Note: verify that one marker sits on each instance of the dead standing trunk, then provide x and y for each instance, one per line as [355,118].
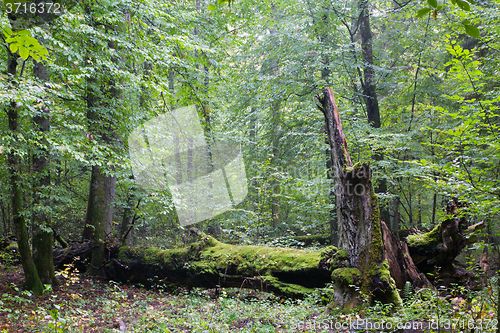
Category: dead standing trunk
[358,222]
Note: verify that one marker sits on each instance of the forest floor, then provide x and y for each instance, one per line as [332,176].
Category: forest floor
[84,304]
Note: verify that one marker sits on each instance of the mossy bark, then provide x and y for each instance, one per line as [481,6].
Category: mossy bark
[42,256]
[96,219]
[358,219]
[32,281]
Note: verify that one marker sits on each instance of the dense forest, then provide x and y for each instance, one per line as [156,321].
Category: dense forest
[266,166]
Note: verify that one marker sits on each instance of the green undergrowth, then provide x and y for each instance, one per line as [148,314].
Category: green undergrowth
[88,305]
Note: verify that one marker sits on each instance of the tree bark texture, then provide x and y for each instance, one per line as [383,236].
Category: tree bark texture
[128,214]
[99,220]
[97,207]
[400,262]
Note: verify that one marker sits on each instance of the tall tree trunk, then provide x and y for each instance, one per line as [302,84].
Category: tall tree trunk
[325,75]
[394,216]
[99,219]
[96,217]
[101,198]
[4,220]
[369,91]
[275,183]
[42,235]
[32,280]
[369,88]
[171,87]
[109,192]
[126,229]
[272,70]
[410,206]
[102,189]
[358,221]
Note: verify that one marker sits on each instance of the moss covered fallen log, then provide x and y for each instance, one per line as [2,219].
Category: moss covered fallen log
[434,252]
[440,246]
[210,263]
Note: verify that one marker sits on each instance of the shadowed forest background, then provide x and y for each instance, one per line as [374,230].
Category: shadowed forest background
[418,93]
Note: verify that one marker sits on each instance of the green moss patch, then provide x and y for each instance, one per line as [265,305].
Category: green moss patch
[340,259]
[346,276]
[425,240]
[253,260]
[285,289]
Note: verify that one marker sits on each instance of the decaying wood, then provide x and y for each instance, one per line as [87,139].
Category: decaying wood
[371,262]
[209,263]
[400,262]
[341,162]
[434,252]
[440,246]
[359,230]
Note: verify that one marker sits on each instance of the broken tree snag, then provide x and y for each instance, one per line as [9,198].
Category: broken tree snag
[358,222]
[435,251]
[336,139]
